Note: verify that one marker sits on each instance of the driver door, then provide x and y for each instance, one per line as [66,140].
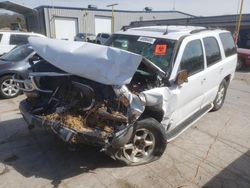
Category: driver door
[190,94]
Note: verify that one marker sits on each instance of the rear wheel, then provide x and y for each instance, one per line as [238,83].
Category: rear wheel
[8,88]
[240,64]
[147,144]
[221,95]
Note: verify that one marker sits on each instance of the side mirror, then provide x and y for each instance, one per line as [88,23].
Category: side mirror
[182,77]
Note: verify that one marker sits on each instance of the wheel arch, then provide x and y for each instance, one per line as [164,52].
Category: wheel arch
[10,73]
[228,78]
[153,112]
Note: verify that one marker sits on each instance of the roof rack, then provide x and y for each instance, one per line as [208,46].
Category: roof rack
[205,28]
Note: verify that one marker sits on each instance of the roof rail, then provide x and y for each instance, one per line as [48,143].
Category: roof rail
[205,29]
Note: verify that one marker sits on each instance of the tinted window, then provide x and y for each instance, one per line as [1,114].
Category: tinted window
[212,50]
[1,35]
[80,35]
[18,39]
[192,58]
[105,36]
[228,44]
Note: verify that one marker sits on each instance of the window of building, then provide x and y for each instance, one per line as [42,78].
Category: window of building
[16,39]
[228,44]
[212,50]
[192,58]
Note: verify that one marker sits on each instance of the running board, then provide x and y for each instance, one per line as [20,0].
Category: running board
[179,129]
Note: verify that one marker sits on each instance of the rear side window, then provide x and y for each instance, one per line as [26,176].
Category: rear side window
[228,44]
[1,35]
[105,36]
[212,50]
[18,39]
[192,58]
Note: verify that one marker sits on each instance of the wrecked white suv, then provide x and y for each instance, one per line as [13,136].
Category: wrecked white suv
[132,96]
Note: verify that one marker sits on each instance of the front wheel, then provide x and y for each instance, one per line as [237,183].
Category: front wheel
[221,95]
[8,88]
[147,143]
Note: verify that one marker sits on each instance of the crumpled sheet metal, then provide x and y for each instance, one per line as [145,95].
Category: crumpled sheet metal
[136,104]
[103,64]
[164,98]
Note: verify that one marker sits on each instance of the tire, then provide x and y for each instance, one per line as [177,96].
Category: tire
[221,95]
[148,136]
[240,64]
[8,88]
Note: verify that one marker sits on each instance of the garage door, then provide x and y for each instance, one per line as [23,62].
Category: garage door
[102,25]
[66,28]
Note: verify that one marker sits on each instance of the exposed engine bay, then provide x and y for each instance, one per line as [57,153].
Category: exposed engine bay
[85,106]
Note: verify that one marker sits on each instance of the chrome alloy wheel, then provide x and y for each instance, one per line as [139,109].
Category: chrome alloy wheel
[9,88]
[220,95]
[141,147]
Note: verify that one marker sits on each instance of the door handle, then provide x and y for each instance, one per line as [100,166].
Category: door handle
[203,80]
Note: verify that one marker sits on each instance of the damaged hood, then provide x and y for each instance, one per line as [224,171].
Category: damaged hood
[103,64]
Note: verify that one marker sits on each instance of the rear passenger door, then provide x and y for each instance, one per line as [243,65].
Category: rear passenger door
[189,94]
[221,58]
[214,68]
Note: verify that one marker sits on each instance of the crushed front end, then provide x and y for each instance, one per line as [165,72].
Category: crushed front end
[103,110]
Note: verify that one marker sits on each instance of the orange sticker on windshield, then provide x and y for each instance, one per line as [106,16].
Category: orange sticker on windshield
[161,49]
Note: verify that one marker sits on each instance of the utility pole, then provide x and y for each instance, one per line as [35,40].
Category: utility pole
[239,21]
[173,4]
[85,25]
[113,16]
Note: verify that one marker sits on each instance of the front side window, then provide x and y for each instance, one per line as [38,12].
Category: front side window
[192,58]
[212,50]
[158,50]
[17,54]
[16,39]
[228,44]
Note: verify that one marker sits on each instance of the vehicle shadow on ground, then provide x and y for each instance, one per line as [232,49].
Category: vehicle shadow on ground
[41,154]
[237,174]
[244,70]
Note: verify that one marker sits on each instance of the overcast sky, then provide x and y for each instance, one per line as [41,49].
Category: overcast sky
[195,7]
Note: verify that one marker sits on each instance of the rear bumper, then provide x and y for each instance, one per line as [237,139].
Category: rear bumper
[67,135]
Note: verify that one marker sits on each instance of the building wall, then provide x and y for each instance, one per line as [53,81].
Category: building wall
[122,18]
[36,23]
